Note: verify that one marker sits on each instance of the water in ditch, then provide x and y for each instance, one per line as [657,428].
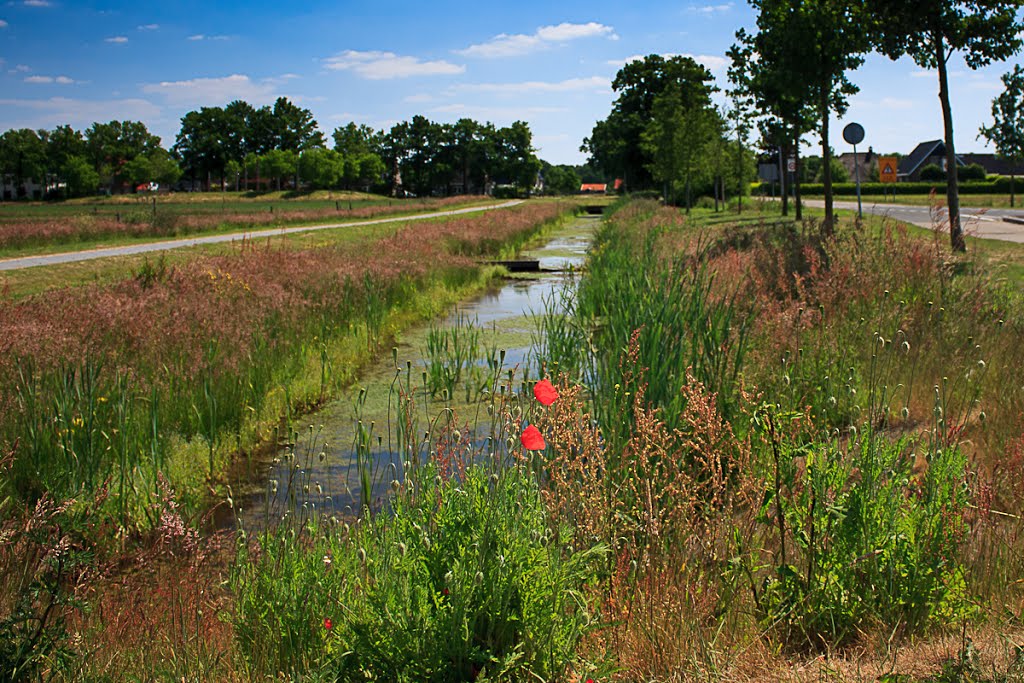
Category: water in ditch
[353,448]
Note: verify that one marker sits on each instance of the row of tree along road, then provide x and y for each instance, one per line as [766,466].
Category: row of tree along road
[788,77]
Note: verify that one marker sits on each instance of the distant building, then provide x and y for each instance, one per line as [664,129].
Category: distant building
[593,188]
[994,164]
[859,162]
[926,153]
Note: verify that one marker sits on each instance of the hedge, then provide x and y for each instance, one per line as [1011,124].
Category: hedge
[1001,185]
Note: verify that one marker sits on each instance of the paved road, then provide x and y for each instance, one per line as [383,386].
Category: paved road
[988,223]
[90,254]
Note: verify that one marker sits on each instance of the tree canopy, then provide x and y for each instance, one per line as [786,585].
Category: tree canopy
[615,144]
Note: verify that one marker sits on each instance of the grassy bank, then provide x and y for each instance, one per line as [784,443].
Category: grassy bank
[765,455]
[178,367]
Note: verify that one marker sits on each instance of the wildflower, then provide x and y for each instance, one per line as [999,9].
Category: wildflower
[544,392]
[532,439]
[328,624]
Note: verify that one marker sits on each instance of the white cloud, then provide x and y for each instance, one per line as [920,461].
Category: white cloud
[711,9]
[565,31]
[60,80]
[505,45]
[149,27]
[712,62]
[593,83]
[20,69]
[202,36]
[3,24]
[923,73]
[500,113]
[116,39]
[56,111]
[37,3]
[376,65]
[199,92]
[419,98]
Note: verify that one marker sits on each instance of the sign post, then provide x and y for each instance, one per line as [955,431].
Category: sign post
[854,134]
[887,172]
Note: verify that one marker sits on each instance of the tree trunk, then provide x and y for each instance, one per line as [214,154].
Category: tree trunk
[783,151]
[796,180]
[956,231]
[1011,190]
[827,225]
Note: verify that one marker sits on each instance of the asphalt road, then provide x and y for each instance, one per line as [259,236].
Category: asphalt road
[165,245]
[987,223]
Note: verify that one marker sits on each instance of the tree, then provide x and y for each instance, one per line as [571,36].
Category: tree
[796,65]
[322,168]
[1007,130]
[112,145]
[838,172]
[615,144]
[678,138]
[296,128]
[22,157]
[560,179]
[930,32]
[278,163]
[516,161]
[203,143]
[81,178]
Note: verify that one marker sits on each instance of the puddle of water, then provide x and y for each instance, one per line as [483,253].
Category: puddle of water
[322,467]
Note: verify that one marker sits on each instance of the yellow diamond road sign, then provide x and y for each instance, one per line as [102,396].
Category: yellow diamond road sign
[887,169]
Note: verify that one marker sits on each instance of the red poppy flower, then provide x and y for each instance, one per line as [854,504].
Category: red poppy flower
[444,591]
[328,624]
[544,392]
[532,439]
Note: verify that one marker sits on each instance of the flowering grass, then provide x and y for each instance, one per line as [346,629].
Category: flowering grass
[173,370]
[21,230]
[821,471]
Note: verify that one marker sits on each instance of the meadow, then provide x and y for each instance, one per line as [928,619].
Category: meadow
[755,454]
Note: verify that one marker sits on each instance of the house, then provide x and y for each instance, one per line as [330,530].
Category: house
[926,153]
[994,164]
[593,188]
[862,162]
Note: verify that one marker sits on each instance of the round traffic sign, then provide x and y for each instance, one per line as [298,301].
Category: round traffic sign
[854,133]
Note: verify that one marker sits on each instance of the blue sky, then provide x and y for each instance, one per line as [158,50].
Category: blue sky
[547,63]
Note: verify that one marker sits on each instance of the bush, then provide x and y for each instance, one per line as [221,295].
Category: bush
[464,578]
[972,172]
[932,172]
[871,538]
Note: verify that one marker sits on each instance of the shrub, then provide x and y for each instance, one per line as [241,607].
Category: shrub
[932,172]
[972,172]
[463,578]
[872,533]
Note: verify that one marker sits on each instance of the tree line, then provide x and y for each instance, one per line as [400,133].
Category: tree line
[240,146]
